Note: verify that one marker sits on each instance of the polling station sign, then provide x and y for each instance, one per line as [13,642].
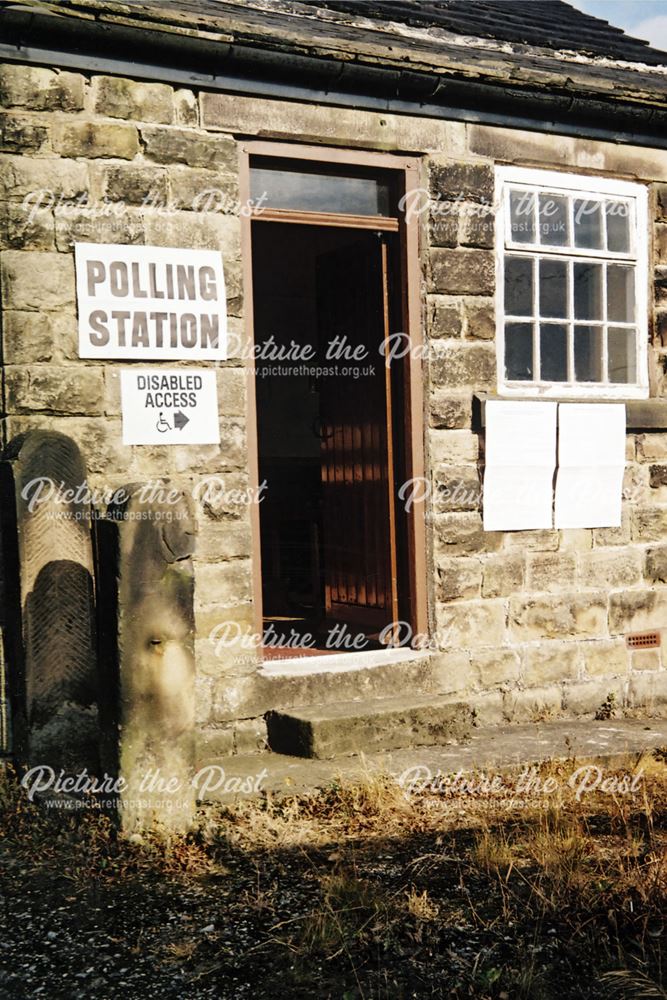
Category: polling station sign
[150,303]
[169,406]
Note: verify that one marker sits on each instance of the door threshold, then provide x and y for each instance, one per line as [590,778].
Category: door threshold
[301,666]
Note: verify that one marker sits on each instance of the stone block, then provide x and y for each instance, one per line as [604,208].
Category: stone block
[637,610]
[444,317]
[661,199]
[649,524]
[220,584]
[478,226]
[453,181]
[480,319]
[444,226]
[347,127]
[550,662]
[614,536]
[196,190]
[41,182]
[250,736]
[95,140]
[36,281]
[21,135]
[646,659]
[649,691]
[212,742]
[558,617]
[186,108]
[503,575]
[54,389]
[22,228]
[533,705]
[550,572]
[222,540]
[660,244]
[206,231]
[533,541]
[576,539]
[450,411]
[462,533]
[453,673]
[117,97]
[652,447]
[605,658]
[450,447]
[458,365]
[134,185]
[462,272]
[458,578]
[456,488]
[497,666]
[33,336]
[488,709]
[471,624]
[655,564]
[615,569]
[586,697]
[175,145]
[92,225]
[39,89]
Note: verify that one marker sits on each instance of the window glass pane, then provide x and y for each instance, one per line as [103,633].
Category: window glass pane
[588,353]
[622,354]
[522,217]
[518,286]
[553,352]
[618,226]
[620,293]
[274,187]
[553,288]
[587,291]
[588,223]
[553,210]
[519,351]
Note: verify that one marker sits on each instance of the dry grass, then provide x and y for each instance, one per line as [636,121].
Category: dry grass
[360,890]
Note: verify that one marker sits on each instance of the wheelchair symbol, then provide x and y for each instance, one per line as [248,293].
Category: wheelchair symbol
[162,424]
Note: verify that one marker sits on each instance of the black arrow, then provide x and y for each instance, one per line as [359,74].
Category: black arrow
[180,420]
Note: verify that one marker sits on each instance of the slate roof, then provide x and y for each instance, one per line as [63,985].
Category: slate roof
[550,24]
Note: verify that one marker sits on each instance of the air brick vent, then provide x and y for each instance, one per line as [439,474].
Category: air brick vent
[643,640]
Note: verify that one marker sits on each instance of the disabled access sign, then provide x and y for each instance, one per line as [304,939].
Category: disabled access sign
[169,406]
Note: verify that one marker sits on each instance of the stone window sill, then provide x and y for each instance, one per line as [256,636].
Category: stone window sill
[642,414]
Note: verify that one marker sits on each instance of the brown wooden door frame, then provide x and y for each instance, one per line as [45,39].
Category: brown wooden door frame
[408,233]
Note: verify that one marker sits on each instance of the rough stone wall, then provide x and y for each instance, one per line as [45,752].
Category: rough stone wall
[539,617]
[535,618]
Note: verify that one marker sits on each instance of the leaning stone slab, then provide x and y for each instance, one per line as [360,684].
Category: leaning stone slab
[154,647]
[49,601]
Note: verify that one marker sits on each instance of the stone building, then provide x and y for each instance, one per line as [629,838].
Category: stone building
[420,209]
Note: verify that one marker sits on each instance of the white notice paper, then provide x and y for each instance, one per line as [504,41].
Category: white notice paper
[591,462]
[520,462]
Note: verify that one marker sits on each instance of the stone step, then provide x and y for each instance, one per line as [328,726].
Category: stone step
[322,731]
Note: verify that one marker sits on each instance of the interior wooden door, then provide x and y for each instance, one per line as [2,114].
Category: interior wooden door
[358,509]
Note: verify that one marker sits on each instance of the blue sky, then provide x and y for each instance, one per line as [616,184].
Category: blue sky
[641,18]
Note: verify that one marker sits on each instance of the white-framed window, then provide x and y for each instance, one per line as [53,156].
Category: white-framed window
[572,285]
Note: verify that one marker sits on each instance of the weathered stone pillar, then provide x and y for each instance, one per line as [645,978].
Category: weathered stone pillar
[155,649]
[49,601]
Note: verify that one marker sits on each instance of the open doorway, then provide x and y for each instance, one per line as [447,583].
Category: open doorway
[330,449]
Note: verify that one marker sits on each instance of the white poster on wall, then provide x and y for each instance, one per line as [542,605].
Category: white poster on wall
[169,406]
[150,303]
[520,461]
[591,463]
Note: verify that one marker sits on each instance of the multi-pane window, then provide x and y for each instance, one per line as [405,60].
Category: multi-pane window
[572,292]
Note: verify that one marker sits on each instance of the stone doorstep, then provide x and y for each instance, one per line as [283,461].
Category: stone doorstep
[614,743]
[323,731]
